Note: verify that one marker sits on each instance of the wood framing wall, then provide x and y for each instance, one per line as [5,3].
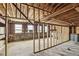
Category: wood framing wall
[29,13]
[24,35]
[63,33]
[27,36]
[53,38]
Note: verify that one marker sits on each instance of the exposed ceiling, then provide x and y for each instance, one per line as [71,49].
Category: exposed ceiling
[49,12]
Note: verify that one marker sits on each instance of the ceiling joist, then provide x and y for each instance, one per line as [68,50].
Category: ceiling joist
[35,7]
[65,9]
[62,12]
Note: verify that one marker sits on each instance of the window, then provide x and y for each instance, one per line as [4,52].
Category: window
[18,28]
[30,28]
[46,28]
[40,29]
[2,30]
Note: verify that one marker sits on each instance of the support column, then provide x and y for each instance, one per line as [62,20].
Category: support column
[34,31]
[39,37]
[61,35]
[43,36]
[50,37]
[39,28]
[47,36]
[6,30]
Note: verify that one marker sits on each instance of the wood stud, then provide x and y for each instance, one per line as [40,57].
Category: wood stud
[47,36]
[61,33]
[39,37]
[50,36]
[34,30]
[43,36]
[39,29]
[6,31]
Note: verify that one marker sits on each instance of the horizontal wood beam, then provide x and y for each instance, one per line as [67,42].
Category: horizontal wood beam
[68,17]
[14,17]
[22,13]
[76,23]
[59,22]
[25,19]
[73,18]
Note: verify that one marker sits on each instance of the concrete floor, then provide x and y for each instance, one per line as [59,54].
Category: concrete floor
[24,48]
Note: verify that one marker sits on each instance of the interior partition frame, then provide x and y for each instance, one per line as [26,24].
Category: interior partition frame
[49,42]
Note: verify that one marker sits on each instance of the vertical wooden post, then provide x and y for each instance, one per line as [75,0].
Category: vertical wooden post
[43,36]
[56,36]
[47,36]
[70,32]
[39,28]
[61,35]
[43,32]
[6,30]
[50,36]
[54,40]
[39,37]
[34,30]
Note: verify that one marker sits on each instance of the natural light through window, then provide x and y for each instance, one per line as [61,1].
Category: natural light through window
[40,29]
[30,28]
[46,28]
[18,28]
[2,30]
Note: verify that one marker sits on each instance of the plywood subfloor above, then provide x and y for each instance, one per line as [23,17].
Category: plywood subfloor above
[24,48]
